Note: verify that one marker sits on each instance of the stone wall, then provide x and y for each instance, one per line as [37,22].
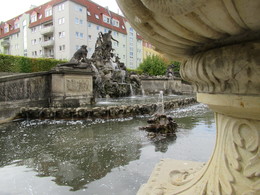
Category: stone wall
[120,111]
[44,89]
[23,90]
[168,86]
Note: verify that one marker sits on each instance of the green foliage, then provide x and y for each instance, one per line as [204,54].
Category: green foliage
[153,65]
[137,71]
[22,64]
[176,67]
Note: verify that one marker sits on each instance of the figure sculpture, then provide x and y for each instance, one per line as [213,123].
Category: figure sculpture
[107,40]
[80,55]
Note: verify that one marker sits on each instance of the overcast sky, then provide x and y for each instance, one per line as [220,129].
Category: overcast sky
[12,8]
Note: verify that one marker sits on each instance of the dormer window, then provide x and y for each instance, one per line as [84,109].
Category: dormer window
[48,12]
[89,14]
[6,28]
[115,22]
[16,24]
[97,16]
[34,17]
[123,27]
[106,19]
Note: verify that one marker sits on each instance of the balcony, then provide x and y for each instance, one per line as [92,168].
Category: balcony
[5,43]
[49,43]
[47,30]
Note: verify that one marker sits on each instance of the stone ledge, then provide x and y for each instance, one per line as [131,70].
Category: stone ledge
[121,111]
[169,173]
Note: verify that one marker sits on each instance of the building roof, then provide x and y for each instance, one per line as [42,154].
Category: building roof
[12,30]
[93,8]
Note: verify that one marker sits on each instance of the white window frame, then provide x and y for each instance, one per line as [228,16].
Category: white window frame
[48,12]
[106,19]
[115,22]
[61,7]
[33,18]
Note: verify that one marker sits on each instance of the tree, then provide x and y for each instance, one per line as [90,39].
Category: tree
[153,65]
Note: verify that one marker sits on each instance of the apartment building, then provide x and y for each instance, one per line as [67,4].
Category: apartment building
[58,28]
[149,50]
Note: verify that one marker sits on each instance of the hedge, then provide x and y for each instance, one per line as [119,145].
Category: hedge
[20,64]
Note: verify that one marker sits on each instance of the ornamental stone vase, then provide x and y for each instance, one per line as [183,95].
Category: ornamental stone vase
[218,42]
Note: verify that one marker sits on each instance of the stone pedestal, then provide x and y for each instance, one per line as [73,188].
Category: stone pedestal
[229,84]
[219,43]
[71,88]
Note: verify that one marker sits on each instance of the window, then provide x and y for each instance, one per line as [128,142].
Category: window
[40,40]
[40,52]
[16,25]
[33,29]
[98,27]
[131,29]
[115,22]
[34,18]
[79,35]
[80,21]
[34,41]
[62,34]
[106,19]
[89,14]
[76,21]
[97,16]
[105,30]
[123,27]
[78,8]
[61,7]
[89,24]
[34,53]
[116,44]
[6,29]
[62,47]
[48,12]
[89,37]
[61,20]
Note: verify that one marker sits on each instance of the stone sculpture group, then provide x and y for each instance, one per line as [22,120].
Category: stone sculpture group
[111,79]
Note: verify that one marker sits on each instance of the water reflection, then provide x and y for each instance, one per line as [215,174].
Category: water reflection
[74,155]
[97,157]
[161,143]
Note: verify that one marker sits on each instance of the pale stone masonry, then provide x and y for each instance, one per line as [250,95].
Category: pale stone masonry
[58,28]
[218,42]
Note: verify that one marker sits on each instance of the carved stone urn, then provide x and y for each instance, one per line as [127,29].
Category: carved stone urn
[218,42]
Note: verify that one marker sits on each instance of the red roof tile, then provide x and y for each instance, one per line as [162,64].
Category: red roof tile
[96,9]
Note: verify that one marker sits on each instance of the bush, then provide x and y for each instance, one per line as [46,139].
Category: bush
[153,65]
[22,64]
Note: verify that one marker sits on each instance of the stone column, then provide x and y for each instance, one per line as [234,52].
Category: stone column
[227,79]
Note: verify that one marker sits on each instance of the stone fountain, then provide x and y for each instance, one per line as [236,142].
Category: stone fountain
[110,78]
[160,123]
[218,43]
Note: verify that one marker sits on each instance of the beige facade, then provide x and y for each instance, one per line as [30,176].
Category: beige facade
[67,28]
